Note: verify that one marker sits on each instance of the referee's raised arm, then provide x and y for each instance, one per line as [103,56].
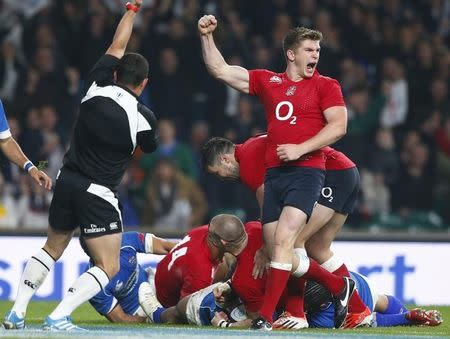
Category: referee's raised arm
[124,30]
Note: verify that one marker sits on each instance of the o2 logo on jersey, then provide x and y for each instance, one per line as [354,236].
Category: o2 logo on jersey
[288,115]
[327,193]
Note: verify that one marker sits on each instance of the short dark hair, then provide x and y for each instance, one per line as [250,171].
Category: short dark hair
[213,148]
[298,34]
[133,68]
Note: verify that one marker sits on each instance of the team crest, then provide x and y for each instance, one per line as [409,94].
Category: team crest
[275,79]
[291,90]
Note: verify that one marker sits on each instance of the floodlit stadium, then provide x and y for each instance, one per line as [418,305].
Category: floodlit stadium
[223,168]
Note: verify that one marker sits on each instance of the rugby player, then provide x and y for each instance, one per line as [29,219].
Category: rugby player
[304,112]
[245,162]
[118,301]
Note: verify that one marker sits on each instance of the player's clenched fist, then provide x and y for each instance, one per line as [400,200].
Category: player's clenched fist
[207,24]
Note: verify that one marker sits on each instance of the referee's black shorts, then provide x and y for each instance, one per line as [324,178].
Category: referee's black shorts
[78,202]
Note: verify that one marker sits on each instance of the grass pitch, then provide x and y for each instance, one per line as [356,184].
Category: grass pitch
[85,316]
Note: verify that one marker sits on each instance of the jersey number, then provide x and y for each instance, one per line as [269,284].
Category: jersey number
[175,255]
[289,112]
[178,252]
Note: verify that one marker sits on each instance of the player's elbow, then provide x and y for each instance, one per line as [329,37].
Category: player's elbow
[341,130]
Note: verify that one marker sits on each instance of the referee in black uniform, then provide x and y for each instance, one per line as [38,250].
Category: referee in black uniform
[111,124]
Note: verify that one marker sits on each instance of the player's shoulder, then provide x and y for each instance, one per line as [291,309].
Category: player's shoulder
[253,228]
[271,76]
[325,81]
[256,140]
[198,230]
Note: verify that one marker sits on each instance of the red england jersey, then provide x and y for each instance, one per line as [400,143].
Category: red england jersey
[186,269]
[294,111]
[250,290]
[337,160]
[250,156]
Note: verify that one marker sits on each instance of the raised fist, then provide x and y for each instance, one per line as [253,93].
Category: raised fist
[137,3]
[207,24]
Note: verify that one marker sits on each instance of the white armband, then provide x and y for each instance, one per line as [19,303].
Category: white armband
[149,242]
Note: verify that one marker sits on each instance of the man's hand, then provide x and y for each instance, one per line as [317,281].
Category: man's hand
[289,152]
[207,24]
[260,263]
[137,3]
[41,178]
[220,291]
[218,317]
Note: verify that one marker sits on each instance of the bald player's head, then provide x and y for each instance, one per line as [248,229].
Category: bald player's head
[227,232]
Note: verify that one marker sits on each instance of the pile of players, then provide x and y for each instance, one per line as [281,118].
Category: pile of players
[216,275]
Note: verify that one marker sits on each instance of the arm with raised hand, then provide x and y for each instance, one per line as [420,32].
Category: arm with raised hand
[123,31]
[234,76]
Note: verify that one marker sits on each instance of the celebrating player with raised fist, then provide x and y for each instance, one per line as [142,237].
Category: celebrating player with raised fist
[305,111]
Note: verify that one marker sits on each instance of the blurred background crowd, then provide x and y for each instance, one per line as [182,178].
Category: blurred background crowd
[391,57]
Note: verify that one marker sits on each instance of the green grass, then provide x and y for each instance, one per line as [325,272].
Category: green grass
[86,316]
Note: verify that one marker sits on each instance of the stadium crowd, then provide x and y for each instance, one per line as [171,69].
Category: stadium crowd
[392,59]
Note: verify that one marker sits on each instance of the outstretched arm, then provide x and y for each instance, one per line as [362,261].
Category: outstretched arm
[123,32]
[234,76]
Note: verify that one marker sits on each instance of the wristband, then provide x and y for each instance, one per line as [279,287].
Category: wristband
[130,7]
[27,166]
[224,323]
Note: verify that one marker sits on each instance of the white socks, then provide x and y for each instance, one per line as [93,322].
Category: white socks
[303,262]
[84,288]
[333,263]
[33,276]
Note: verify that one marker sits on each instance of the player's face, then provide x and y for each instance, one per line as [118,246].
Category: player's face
[306,57]
[225,169]
[240,248]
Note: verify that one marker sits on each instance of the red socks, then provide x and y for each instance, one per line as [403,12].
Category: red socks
[276,282]
[335,284]
[355,304]
[295,298]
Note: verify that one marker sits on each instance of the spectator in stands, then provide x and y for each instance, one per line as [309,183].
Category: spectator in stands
[244,122]
[395,90]
[10,69]
[363,113]
[414,189]
[384,160]
[171,94]
[36,201]
[439,95]
[383,166]
[10,207]
[48,46]
[174,202]
[170,147]
[32,138]
[52,150]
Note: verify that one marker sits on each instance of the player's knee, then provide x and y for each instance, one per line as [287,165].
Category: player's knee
[111,268]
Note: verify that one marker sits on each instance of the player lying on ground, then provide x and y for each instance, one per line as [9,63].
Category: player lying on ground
[118,301]
[193,263]
[387,310]
[208,307]
[245,162]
